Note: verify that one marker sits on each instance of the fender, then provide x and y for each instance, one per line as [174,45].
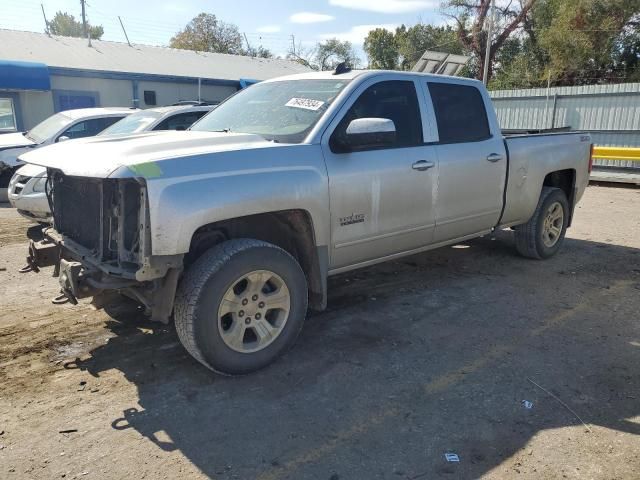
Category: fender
[187,193]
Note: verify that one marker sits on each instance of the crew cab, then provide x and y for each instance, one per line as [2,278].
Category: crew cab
[77,123]
[26,188]
[233,227]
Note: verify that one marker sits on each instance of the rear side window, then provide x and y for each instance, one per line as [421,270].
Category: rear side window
[181,121]
[460,113]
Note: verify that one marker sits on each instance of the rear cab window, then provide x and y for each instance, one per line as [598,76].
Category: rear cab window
[460,113]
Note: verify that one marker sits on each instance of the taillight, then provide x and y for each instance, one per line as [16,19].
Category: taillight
[591,158]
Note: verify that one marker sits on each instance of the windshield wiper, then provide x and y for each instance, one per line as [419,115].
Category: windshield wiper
[224,130]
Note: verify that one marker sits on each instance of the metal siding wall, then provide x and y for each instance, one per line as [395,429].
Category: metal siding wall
[612,110]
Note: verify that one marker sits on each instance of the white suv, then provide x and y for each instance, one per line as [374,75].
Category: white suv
[67,125]
[27,187]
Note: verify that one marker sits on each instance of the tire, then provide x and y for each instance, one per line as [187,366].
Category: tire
[209,334]
[531,239]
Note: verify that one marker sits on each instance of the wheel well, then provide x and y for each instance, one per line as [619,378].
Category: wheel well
[291,230]
[565,180]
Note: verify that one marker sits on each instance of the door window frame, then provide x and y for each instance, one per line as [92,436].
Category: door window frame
[424,104]
[484,107]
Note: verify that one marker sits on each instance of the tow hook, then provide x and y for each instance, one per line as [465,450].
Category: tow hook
[63,298]
[41,254]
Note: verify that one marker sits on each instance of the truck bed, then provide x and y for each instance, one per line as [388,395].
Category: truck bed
[530,156]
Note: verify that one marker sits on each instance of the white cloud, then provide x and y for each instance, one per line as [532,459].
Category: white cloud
[387,6]
[269,29]
[309,17]
[357,33]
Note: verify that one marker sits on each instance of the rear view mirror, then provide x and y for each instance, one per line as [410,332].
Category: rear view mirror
[63,138]
[370,133]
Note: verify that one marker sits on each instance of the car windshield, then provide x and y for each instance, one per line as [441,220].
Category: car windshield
[283,111]
[49,127]
[134,123]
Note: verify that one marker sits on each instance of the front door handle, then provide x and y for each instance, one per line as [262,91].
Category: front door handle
[494,157]
[423,165]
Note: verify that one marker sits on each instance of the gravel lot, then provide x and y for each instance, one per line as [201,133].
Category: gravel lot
[428,355]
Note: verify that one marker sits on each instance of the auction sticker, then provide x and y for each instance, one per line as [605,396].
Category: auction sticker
[306,103]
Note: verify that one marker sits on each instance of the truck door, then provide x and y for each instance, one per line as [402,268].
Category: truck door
[381,198]
[472,161]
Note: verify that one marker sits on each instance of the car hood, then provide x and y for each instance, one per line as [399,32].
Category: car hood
[10,140]
[100,156]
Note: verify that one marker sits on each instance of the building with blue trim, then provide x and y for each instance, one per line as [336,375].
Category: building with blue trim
[43,74]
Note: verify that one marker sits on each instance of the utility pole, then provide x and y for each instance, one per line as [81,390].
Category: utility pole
[487,53]
[84,22]
[46,24]
[125,32]
[293,45]
[248,46]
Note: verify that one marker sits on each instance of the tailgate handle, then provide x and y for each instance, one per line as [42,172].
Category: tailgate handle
[494,157]
[423,165]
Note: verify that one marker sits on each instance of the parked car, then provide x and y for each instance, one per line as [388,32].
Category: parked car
[79,123]
[27,187]
[235,225]
[173,117]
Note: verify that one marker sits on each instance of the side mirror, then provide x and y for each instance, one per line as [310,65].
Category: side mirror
[63,138]
[370,133]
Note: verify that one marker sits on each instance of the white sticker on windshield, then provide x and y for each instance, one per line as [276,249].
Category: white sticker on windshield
[306,103]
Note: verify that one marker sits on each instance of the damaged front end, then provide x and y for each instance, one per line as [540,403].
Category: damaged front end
[100,243]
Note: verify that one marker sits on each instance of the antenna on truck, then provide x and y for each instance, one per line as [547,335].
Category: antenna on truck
[342,67]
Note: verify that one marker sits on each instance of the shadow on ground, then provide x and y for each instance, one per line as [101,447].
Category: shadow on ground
[413,359]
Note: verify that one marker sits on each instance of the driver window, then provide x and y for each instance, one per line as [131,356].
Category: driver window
[395,100]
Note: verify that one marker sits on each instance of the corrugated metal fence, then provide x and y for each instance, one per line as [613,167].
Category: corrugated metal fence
[611,113]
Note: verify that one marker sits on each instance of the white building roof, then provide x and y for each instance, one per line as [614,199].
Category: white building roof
[68,52]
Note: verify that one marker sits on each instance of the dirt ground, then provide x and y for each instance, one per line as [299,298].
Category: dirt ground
[428,355]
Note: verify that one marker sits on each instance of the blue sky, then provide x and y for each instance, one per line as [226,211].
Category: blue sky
[270,23]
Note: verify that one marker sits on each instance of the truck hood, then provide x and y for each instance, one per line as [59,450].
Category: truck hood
[100,156]
[10,140]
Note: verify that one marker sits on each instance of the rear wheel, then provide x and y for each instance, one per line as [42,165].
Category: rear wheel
[241,305]
[542,236]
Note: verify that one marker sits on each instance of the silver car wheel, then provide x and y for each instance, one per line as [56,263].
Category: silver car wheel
[254,311]
[553,223]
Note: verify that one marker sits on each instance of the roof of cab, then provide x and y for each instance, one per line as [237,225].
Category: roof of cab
[351,74]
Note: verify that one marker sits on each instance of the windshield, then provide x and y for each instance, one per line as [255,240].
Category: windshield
[134,123]
[49,127]
[283,111]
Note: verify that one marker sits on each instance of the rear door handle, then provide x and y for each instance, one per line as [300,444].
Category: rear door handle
[494,157]
[423,165]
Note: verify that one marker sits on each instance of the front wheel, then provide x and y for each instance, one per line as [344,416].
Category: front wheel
[542,236]
[241,305]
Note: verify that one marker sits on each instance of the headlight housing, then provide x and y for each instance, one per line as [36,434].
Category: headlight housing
[39,184]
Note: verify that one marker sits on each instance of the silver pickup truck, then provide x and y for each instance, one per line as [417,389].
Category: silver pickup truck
[232,228]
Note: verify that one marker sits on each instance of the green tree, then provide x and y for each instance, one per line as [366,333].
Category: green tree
[66,25]
[331,52]
[324,55]
[589,41]
[259,51]
[470,17]
[382,49]
[205,33]
[402,49]
[414,41]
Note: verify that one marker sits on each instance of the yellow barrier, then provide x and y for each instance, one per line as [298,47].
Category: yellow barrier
[616,153]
